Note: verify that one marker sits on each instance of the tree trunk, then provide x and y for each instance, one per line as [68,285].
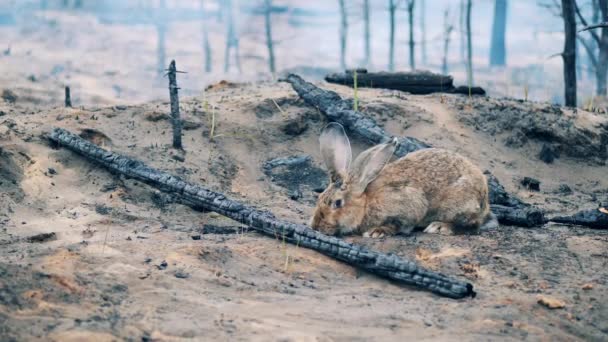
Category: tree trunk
[423,30]
[176,121]
[469,45]
[392,7]
[232,39]
[367,33]
[602,60]
[569,53]
[497,47]
[343,33]
[389,266]
[410,14]
[462,30]
[161,30]
[269,41]
[447,31]
[206,44]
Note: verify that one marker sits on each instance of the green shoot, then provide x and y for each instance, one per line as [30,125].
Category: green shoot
[279,108]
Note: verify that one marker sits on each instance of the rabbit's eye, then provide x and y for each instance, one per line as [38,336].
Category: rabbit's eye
[337,203]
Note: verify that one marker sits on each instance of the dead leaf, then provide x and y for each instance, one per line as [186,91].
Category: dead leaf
[470,270]
[587,286]
[603,210]
[551,303]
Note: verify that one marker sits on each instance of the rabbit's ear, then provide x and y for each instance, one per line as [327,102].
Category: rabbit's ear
[335,149]
[369,163]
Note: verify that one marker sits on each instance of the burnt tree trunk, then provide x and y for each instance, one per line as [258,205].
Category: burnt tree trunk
[68,97]
[512,210]
[601,72]
[385,265]
[411,42]
[175,116]
[232,39]
[161,31]
[462,30]
[206,44]
[423,31]
[343,33]
[499,26]
[392,8]
[269,41]
[469,45]
[367,33]
[447,31]
[569,53]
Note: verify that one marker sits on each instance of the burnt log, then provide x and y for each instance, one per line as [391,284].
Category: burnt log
[338,110]
[414,82]
[386,265]
[527,216]
[589,218]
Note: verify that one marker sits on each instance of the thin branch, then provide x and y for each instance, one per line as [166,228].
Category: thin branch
[587,28]
[584,22]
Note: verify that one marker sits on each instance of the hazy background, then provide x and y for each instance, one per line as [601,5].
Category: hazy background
[107,50]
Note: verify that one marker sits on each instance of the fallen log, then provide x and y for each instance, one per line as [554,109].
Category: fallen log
[513,210]
[386,265]
[589,218]
[523,216]
[414,82]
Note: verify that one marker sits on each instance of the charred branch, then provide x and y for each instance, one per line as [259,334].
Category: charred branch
[414,82]
[589,218]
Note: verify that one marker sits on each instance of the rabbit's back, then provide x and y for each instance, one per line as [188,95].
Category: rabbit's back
[447,179]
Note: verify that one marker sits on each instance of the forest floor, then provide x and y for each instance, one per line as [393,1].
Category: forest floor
[121,261]
[126,263]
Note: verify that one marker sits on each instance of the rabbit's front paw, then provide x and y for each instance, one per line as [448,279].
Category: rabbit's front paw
[439,228]
[377,233]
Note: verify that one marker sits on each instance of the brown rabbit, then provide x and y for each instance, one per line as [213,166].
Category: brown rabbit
[431,188]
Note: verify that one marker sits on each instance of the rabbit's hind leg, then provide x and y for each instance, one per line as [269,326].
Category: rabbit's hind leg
[437,227]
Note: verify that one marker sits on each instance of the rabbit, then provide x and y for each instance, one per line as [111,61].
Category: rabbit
[432,188]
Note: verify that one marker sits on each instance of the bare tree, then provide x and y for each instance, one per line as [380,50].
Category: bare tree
[269,41]
[469,44]
[411,43]
[499,26]
[366,32]
[392,8]
[161,32]
[423,30]
[447,31]
[569,53]
[462,30]
[232,39]
[343,33]
[597,45]
[206,44]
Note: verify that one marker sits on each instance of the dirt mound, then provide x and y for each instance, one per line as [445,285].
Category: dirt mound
[574,133]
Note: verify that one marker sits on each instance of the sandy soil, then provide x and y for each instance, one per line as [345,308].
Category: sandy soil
[124,263]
